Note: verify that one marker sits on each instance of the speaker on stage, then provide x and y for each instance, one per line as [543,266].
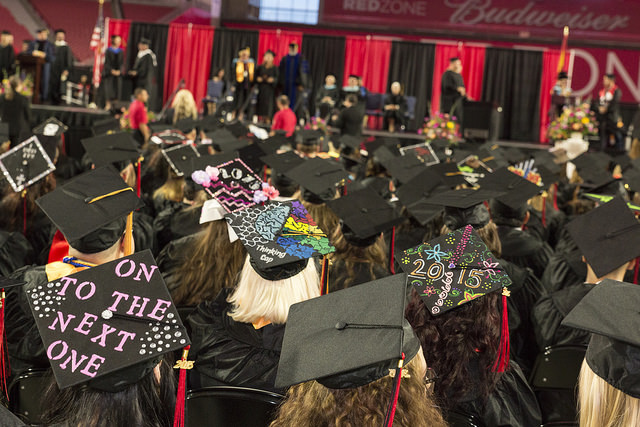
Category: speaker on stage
[481,121]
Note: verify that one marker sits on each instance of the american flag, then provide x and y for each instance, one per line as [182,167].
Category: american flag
[97,40]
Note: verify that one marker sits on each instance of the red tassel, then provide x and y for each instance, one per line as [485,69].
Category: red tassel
[264,174]
[24,212]
[391,412]
[502,361]
[4,361]
[138,177]
[544,211]
[59,248]
[392,267]
[324,279]
[636,271]
[183,365]
[555,196]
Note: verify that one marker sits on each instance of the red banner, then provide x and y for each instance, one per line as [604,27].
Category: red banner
[610,20]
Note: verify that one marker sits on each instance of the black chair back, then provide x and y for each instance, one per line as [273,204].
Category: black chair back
[26,392]
[228,406]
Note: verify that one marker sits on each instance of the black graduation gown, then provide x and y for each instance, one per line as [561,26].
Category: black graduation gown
[175,222]
[63,62]
[112,85]
[172,256]
[146,76]
[350,121]
[551,310]
[512,403]
[267,91]
[524,249]
[7,419]
[325,108]
[16,112]
[338,274]
[555,221]
[232,353]
[449,94]
[15,252]
[7,61]
[564,269]
[398,115]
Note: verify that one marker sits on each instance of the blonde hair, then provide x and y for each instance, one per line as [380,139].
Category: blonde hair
[172,189]
[184,106]
[602,405]
[256,298]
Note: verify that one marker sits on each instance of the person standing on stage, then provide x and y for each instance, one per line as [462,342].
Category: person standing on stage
[294,75]
[244,67]
[62,65]
[267,78]
[112,71]
[609,117]
[144,70]
[43,48]
[138,119]
[7,55]
[453,92]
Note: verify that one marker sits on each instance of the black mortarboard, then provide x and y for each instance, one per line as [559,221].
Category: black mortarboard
[251,154]
[280,237]
[608,236]
[319,176]
[453,269]
[103,126]
[379,142]
[210,123]
[450,174]
[90,209]
[25,164]
[516,189]
[168,137]
[606,198]
[348,338]
[547,176]
[145,40]
[597,160]
[545,158]
[111,148]
[308,137]
[223,140]
[403,168]
[237,129]
[464,206]
[113,322]
[413,196]
[593,170]
[631,178]
[4,132]
[50,127]
[364,214]
[282,162]
[610,312]
[179,157]
[186,125]
[276,142]
[514,154]
[350,141]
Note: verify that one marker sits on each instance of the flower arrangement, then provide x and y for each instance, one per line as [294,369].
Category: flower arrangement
[25,87]
[578,119]
[441,126]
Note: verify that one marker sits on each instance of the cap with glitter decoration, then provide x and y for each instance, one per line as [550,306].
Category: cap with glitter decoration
[111,148]
[50,127]
[279,237]
[364,214]
[319,176]
[118,318]
[25,164]
[452,270]
[179,157]
[610,312]
[90,210]
[353,327]
[608,236]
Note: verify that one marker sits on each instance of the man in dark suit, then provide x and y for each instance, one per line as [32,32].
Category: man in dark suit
[145,71]
[349,121]
[453,92]
[61,66]
[42,47]
[7,55]
[609,114]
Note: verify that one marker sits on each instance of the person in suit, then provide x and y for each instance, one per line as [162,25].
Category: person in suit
[145,70]
[43,48]
[7,54]
[61,66]
[609,114]
[112,71]
[349,121]
[452,91]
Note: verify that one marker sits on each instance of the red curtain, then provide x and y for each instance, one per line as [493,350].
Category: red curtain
[278,41]
[189,57]
[550,59]
[472,58]
[119,27]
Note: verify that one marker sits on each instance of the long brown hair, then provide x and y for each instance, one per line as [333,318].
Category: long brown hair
[12,205]
[213,263]
[311,404]
[488,234]
[322,215]
[172,189]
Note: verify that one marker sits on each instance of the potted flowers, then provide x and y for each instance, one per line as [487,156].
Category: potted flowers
[574,122]
[441,126]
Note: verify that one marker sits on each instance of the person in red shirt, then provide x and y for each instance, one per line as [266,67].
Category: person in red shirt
[138,120]
[285,119]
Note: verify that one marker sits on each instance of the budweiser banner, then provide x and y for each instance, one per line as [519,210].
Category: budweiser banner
[612,20]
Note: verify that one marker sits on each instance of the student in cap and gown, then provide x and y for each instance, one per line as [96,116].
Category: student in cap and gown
[92,212]
[463,331]
[351,358]
[237,338]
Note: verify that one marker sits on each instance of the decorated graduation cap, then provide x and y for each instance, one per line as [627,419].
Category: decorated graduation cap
[464,206]
[348,338]
[454,269]
[414,194]
[111,148]
[109,325]
[90,209]
[200,163]
[179,157]
[280,237]
[50,127]
[25,164]
[608,236]
[319,176]
[610,312]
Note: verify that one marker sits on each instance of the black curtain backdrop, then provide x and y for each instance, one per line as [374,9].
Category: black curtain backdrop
[412,64]
[325,55]
[512,79]
[227,43]
[158,34]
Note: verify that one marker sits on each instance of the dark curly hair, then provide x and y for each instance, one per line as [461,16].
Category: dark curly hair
[12,205]
[461,346]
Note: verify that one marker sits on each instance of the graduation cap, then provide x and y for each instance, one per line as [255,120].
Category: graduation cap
[450,174]
[200,163]
[252,155]
[90,209]
[403,168]
[308,137]
[464,206]
[350,141]
[179,157]
[545,158]
[114,320]
[187,124]
[593,172]
[596,160]
[237,129]
[364,214]
[608,236]
[282,162]
[111,148]
[514,154]
[110,124]
[414,194]
[606,198]
[631,178]
[388,142]
[50,127]
[280,237]
[210,123]
[319,176]
[168,137]
[516,192]
[276,142]
[452,270]
[348,338]
[610,312]
[223,140]
[25,164]
[4,132]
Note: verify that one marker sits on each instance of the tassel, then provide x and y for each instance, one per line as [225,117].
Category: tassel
[128,236]
[264,174]
[544,210]
[636,270]
[502,361]
[139,176]
[392,267]
[324,279]
[555,196]
[393,403]
[59,248]
[24,212]
[4,361]
[183,365]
